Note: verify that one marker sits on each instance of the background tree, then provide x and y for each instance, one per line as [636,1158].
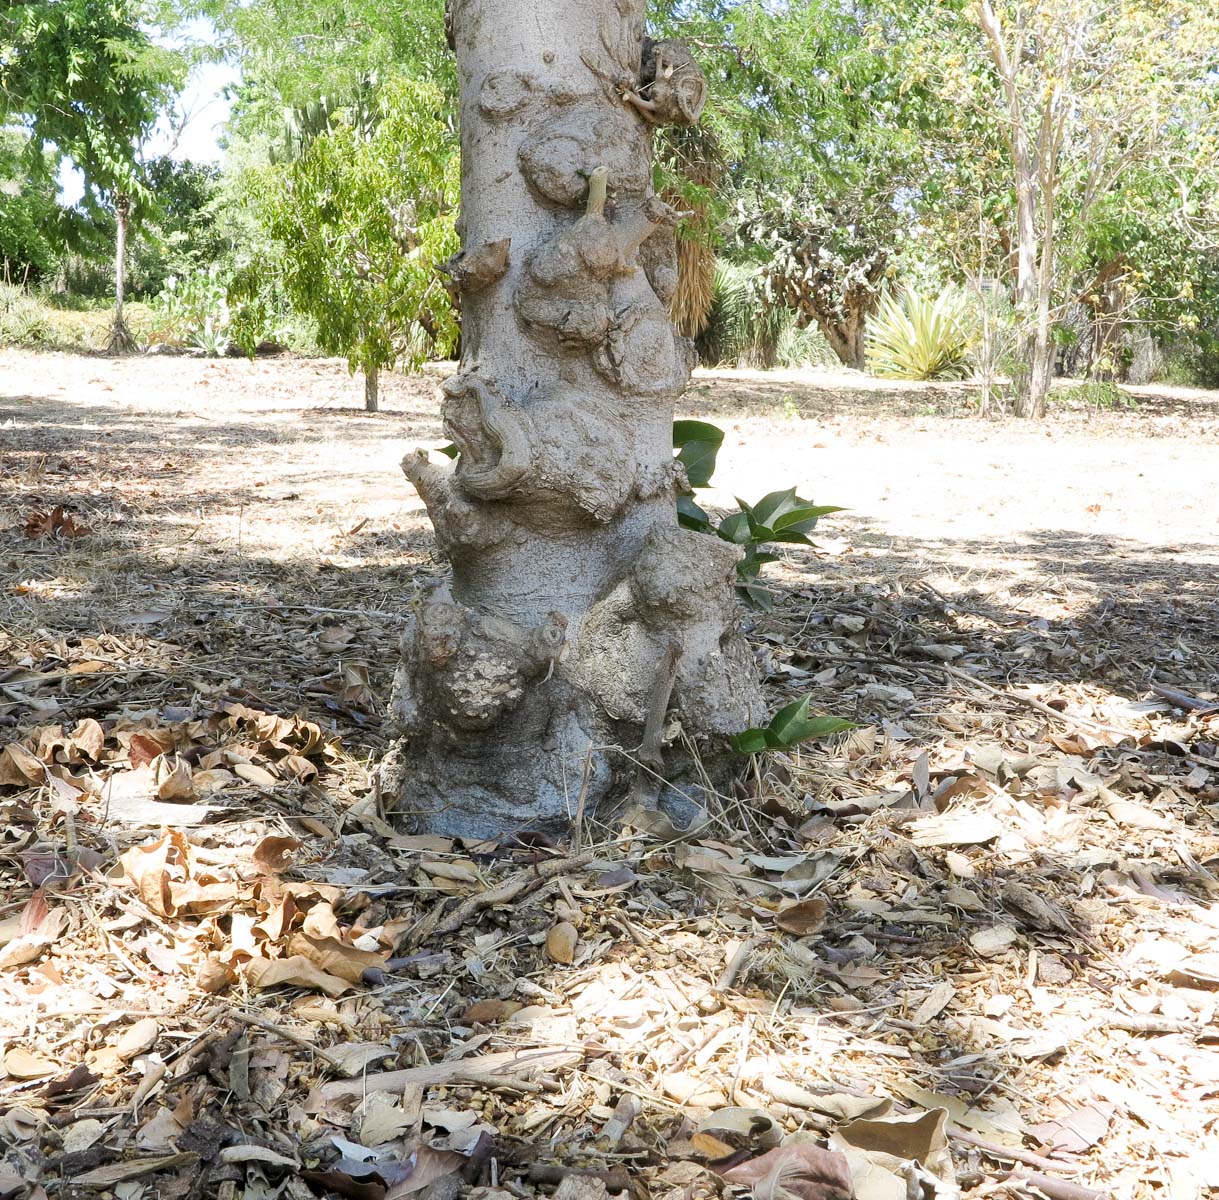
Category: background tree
[88,82]
[1082,92]
[820,121]
[29,215]
[361,221]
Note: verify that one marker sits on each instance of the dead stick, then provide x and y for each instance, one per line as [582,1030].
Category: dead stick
[1056,1189]
[736,964]
[289,1035]
[615,1180]
[647,782]
[1006,1153]
[519,885]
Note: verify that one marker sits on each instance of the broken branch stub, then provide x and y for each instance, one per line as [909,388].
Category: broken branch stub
[528,677]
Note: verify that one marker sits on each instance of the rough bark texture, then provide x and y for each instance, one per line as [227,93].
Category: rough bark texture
[528,678]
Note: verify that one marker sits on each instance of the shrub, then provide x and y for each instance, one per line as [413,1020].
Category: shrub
[746,328]
[914,336]
[193,311]
[24,319]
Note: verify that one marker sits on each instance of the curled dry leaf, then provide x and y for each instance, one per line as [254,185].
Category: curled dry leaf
[296,971]
[427,1166]
[258,776]
[335,957]
[561,943]
[802,1170]
[741,1128]
[20,768]
[274,853]
[214,976]
[152,868]
[802,917]
[171,777]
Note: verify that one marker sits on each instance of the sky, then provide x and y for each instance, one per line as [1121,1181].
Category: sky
[206,109]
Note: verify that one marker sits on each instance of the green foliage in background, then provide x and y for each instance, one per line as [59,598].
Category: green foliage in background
[25,320]
[361,223]
[29,215]
[745,328]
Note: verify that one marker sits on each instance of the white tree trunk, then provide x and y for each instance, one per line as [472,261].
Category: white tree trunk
[578,613]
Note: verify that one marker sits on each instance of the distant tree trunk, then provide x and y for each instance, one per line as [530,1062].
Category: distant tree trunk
[846,337]
[1035,174]
[371,390]
[120,340]
[536,682]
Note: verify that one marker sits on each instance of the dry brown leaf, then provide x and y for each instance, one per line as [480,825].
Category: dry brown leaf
[171,777]
[274,853]
[154,867]
[299,767]
[354,1058]
[802,917]
[214,976]
[258,776]
[487,1012]
[993,940]
[20,768]
[336,957]
[934,1003]
[561,943]
[1077,1131]
[458,870]
[144,747]
[428,1165]
[89,738]
[740,1128]
[296,971]
[802,1170]
[24,1064]
[55,524]
[138,1038]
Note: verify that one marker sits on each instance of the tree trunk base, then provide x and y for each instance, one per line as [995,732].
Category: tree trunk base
[582,630]
[120,339]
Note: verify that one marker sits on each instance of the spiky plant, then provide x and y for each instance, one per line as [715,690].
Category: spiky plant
[916,336]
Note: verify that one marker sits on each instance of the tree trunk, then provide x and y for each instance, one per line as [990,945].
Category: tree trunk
[846,339]
[578,613]
[120,340]
[371,401]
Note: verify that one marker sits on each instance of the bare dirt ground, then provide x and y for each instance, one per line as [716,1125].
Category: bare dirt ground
[975,932]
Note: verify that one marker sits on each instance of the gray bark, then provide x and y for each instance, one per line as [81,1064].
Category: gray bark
[529,676]
[371,390]
[120,340]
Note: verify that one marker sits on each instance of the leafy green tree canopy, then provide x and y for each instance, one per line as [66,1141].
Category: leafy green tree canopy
[362,220]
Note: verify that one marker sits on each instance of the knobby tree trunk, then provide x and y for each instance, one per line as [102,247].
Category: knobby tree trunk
[120,340]
[579,620]
[371,390]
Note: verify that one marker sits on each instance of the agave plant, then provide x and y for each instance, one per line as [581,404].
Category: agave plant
[914,336]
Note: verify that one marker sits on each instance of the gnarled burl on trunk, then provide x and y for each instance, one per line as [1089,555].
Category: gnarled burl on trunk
[579,621]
